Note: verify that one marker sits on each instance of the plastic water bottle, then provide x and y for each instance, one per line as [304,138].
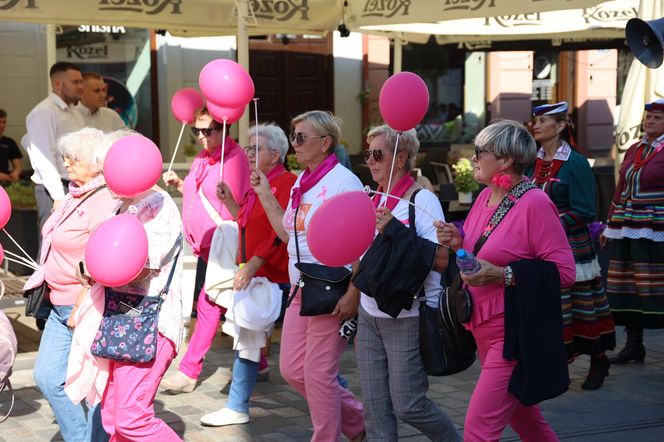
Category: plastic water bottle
[467,262]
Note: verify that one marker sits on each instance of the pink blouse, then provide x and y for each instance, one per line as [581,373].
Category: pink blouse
[530,230]
[198,225]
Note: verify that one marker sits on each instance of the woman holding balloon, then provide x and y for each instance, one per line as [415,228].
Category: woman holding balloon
[202,211]
[64,238]
[310,345]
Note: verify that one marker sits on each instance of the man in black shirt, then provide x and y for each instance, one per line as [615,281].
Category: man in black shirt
[10,155]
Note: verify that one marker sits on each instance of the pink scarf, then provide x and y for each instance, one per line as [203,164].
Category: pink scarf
[70,203]
[206,159]
[310,179]
[250,201]
[398,191]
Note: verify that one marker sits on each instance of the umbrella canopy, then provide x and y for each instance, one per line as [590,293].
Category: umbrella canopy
[606,20]
[642,86]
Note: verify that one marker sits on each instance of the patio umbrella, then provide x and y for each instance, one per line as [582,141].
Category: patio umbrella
[642,86]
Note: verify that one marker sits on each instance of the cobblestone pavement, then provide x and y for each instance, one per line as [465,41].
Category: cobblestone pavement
[629,407]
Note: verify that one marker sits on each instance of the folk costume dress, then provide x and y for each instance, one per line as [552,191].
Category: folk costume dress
[588,327]
[636,222]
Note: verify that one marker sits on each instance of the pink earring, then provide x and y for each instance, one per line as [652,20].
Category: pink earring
[502,180]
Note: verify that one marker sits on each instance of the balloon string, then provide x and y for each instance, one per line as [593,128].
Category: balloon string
[21,263]
[223,148]
[394,157]
[20,248]
[256,126]
[170,166]
[15,256]
[368,190]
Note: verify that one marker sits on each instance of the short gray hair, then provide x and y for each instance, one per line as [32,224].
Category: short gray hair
[407,141]
[324,122]
[81,146]
[508,139]
[274,136]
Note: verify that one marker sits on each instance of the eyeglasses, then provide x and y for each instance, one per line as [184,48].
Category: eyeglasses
[206,131]
[251,150]
[377,154]
[298,139]
[479,152]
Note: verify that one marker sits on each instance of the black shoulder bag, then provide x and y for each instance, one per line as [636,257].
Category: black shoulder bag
[37,303]
[320,286]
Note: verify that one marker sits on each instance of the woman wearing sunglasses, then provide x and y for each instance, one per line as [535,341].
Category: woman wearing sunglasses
[311,345]
[202,211]
[392,375]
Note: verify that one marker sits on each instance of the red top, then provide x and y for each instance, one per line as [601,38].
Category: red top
[261,239]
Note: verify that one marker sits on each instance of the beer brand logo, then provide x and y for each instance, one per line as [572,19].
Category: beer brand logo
[150,7]
[280,10]
[385,8]
[9,4]
[509,21]
[600,14]
[468,5]
[475,45]
[87,52]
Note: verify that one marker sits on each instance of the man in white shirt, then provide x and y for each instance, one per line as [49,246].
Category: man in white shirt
[92,106]
[49,120]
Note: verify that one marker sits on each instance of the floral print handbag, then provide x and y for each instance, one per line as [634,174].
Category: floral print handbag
[129,326]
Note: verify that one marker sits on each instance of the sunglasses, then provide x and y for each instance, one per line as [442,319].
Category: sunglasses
[479,152]
[298,139]
[377,155]
[206,131]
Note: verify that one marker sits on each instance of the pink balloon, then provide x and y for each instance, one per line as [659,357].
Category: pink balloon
[403,101]
[226,83]
[133,165]
[221,113]
[342,228]
[117,250]
[5,208]
[184,103]
[2,253]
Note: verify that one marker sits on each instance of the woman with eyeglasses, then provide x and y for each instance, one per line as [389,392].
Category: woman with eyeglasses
[392,376]
[525,258]
[202,211]
[310,345]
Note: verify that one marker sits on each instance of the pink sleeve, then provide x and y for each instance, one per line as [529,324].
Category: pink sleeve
[236,174]
[547,238]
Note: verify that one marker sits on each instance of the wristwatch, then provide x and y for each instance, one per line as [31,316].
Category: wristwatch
[508,275]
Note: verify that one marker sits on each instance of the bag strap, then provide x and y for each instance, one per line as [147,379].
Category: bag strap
[178,242]
[297,245]
[503,209]
[218,220]
[411,222]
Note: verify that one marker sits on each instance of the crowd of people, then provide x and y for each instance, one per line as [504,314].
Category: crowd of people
[537,184]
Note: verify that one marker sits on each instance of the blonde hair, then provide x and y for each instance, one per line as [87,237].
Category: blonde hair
[324,122]
[408,141]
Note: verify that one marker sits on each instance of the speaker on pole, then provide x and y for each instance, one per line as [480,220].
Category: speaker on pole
[646,40]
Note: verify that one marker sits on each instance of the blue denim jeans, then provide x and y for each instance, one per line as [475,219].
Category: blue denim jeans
[50,373]
[244,380]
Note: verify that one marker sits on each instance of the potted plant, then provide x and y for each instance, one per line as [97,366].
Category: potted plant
[464,181]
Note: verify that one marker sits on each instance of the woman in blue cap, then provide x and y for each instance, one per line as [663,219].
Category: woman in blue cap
[636,226]
[567,178]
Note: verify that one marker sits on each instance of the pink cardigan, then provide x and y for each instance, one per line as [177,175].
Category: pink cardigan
[531,230]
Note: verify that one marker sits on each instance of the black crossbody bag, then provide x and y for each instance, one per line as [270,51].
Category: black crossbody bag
[320,286]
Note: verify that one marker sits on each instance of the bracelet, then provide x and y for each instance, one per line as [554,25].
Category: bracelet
[508,275]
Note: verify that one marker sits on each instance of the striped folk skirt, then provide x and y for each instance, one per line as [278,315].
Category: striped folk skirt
[635,283]
[587,322]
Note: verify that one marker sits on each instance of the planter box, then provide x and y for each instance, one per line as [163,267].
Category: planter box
[23,227]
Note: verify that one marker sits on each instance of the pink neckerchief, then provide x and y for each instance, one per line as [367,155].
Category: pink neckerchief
[70,203]
[248,206]
[398,191]
[206,159]
[310,179]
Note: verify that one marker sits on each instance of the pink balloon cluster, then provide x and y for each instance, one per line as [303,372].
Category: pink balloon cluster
[403,101]
[132,166]
[5,208]
[117,250]
[228,88]
[342,228]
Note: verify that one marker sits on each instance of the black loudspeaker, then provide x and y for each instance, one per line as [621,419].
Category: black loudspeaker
[646,40]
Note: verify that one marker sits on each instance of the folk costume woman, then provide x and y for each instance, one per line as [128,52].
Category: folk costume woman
[566,177]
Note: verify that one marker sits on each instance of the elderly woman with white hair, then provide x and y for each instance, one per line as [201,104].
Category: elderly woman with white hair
[64,237]
[261,253]
[392,374]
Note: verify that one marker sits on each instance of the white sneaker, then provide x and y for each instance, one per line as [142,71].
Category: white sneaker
[178,383]
[225,416]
